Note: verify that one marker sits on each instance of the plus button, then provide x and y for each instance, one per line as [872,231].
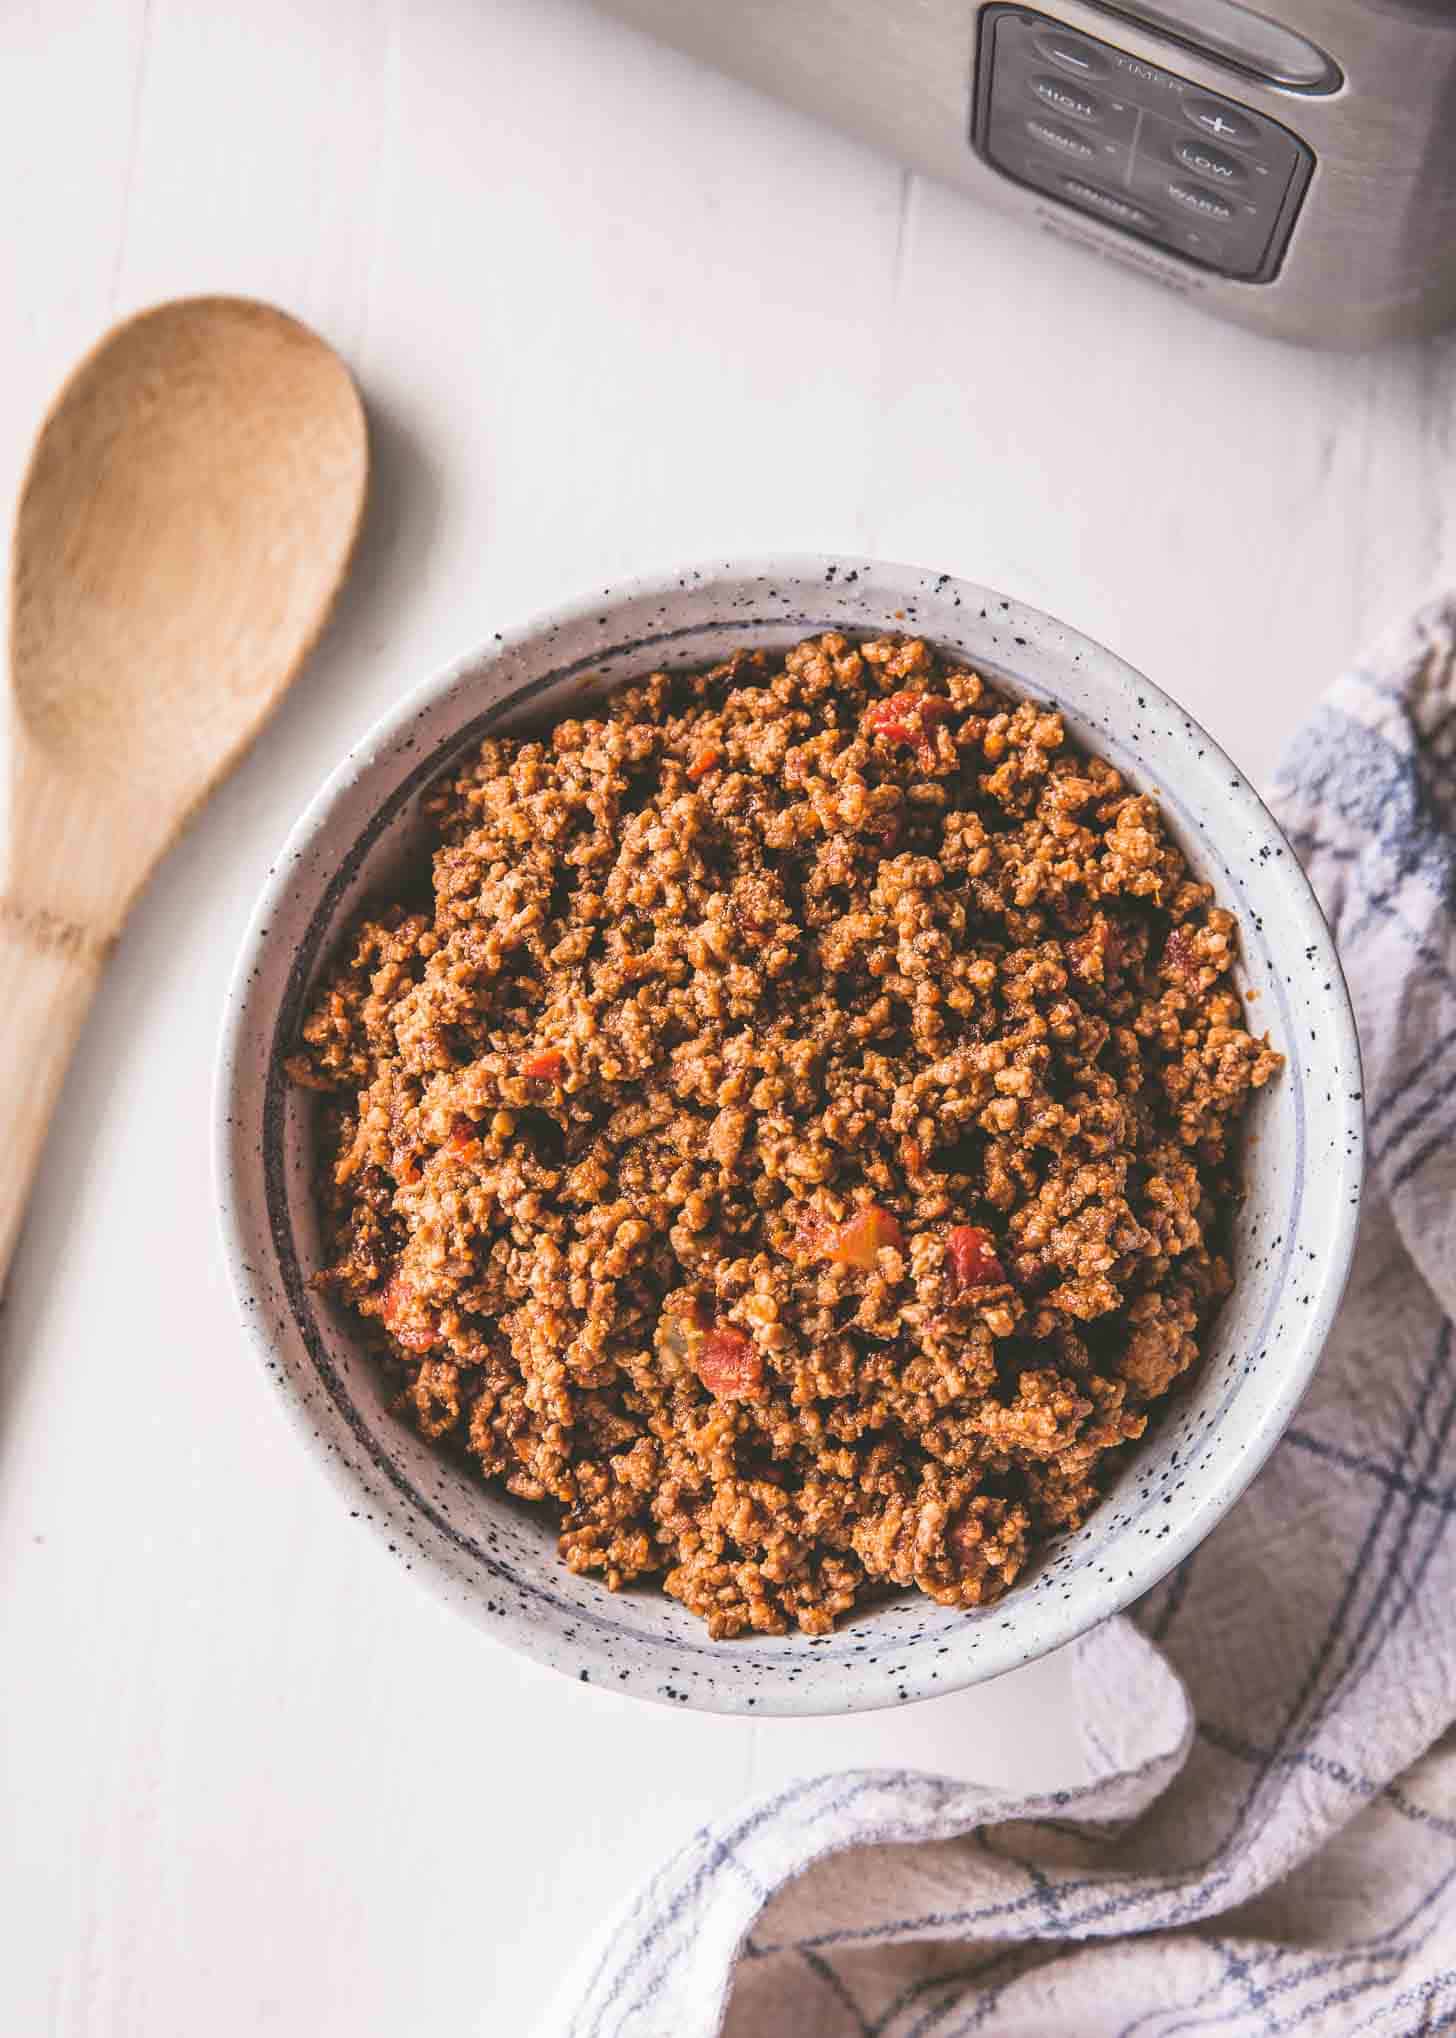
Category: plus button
[1224,121]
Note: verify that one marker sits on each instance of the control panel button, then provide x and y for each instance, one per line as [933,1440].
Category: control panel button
[1108,204]
[1134,145]
[1061,139]
[1073,55]
[1224,123]
[1195,198]
[1067,98]
[1215,164]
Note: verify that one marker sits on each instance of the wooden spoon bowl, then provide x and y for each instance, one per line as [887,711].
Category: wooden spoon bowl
[186,521]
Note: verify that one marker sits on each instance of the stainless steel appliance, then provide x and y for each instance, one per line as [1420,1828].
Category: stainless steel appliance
[1295,171]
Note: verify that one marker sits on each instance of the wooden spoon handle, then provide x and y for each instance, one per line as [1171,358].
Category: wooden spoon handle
[48,970]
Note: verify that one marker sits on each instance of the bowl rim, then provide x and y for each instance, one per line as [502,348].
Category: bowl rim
[1100,1595]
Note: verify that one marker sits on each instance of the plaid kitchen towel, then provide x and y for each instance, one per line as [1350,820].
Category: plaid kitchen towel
[1269,1841]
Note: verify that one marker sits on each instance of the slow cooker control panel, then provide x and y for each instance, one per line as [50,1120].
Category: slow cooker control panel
[1139,148]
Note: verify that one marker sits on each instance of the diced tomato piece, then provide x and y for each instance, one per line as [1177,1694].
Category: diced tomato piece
[729,1365]
[463,1135]
[703,763]
[860,1238]
[907,717]
[891,718]
[972,1256]
[544,1067]
[395,1306]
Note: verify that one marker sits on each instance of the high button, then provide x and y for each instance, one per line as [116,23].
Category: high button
[1065,97]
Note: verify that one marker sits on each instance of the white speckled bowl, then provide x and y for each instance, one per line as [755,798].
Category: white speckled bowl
[1295,1231]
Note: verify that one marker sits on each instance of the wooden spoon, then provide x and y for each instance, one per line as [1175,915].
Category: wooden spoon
[184,526]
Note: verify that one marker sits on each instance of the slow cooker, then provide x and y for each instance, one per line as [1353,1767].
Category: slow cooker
[1292,170]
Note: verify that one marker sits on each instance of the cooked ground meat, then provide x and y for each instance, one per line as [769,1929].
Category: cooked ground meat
[791,1138]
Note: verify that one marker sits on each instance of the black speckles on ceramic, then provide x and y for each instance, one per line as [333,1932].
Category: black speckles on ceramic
[1294,1233]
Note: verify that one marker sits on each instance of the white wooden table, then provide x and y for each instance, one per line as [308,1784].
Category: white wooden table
[609,312]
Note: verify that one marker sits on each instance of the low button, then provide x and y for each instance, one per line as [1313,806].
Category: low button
[1061,139]
[1194,198]
[1108,204]
[1224,123]
[1067,98]
[1077,57]
[1210,162]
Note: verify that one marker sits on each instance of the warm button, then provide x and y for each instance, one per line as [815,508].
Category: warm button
[1210,162]
[1225,123]
[1072,55]
[1193,198]
[1067,99]
[1061,139]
